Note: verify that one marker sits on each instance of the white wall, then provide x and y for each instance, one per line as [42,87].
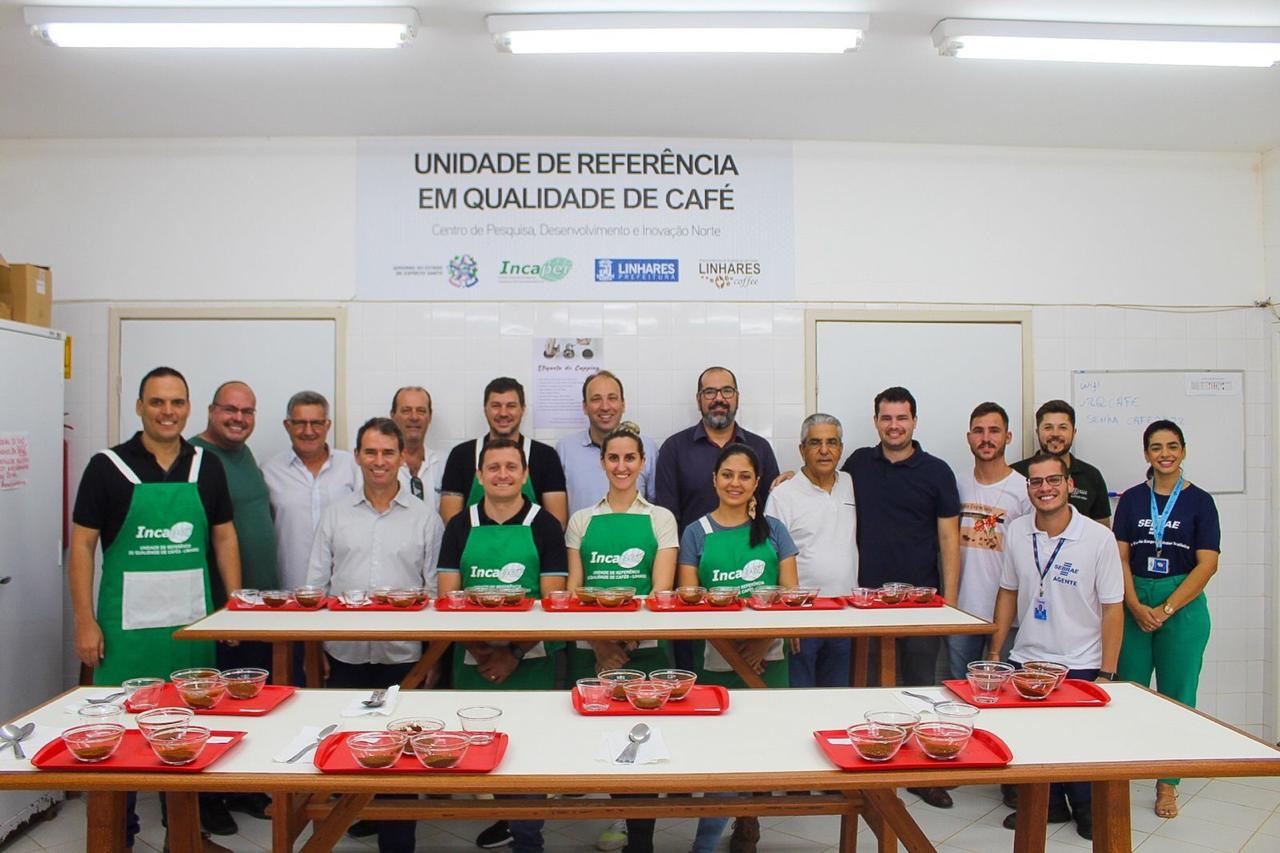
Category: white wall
[1071,234]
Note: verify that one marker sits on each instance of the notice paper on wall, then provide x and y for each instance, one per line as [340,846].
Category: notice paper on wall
[510,218]
[560,366]
[15,460]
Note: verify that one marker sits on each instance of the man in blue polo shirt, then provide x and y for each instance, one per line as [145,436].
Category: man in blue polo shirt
[908,521]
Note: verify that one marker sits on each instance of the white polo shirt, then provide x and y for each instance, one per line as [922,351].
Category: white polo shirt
[986,511]
[823,527]
[1085,575]
[430,472]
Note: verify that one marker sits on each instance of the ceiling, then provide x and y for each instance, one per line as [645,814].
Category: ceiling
[451,81]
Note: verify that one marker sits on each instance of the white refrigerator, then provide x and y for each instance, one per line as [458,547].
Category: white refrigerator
[31,580]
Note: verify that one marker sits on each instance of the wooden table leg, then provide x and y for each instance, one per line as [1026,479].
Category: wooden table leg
[184,822]
[312,652]
[899,820]
[1031,829]
[431,655]
[860,662]
[328,832]
[282,662]
[105,821]
[729,652]
[288,817]
[1111,817]
[888,661]
[849,822]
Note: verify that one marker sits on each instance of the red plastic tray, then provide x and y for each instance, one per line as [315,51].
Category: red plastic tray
[820,603]
[336,604]
[984,750]
[271,696]
[134,754]
[703,700]
[695,608]
[576,606]
[442,604]
[1072,693]
[332,756]
[877,604]
[291,607]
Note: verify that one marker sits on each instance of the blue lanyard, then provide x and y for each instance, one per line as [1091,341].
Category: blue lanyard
[1159,519]
[1035,549]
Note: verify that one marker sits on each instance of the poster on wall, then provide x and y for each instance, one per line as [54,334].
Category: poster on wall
[560,366]
[583,219]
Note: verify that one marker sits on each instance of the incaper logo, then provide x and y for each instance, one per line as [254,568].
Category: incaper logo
[177,534]
[511,572]
[753,570]
[631,558]
[552,269]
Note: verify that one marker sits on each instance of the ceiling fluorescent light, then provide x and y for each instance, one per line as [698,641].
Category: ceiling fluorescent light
[368,28]
[1143,44]
[646,32]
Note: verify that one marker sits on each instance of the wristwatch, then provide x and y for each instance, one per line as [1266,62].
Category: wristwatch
[1109,676]
[1168,609]
[517,653]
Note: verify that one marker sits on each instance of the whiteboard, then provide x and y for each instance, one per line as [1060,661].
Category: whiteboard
[277,355]
[1113,407]
[949,365]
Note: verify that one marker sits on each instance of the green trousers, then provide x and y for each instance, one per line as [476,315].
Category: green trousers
[1174,652]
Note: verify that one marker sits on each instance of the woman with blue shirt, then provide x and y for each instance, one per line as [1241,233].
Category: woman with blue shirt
[1169,538]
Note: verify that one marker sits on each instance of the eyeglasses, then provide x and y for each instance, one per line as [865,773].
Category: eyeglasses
[299,424]
[728,392]
[232,410]
[815,443]
[1052,480]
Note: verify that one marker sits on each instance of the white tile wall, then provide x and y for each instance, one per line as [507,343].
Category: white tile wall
[658,349]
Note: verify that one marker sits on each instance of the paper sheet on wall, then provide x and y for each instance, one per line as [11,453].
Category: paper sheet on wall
[560,366]
[15,460]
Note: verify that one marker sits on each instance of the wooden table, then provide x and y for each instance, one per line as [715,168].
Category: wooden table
[438,629]
[1140,735]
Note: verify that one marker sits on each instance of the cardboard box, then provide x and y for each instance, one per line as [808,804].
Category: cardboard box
[28,290]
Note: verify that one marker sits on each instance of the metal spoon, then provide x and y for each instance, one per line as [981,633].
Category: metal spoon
[324,733]
[637,736]
[9,734]
[103,700]
[15,734]
[934,702]
[376,699]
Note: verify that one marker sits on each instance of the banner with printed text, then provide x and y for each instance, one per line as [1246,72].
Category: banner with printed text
[599,219]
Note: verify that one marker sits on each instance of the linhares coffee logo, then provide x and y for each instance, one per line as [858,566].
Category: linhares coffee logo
[730,273]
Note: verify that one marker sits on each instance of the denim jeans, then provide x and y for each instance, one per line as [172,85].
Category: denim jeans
[821,662]
[526,835]
[710,828]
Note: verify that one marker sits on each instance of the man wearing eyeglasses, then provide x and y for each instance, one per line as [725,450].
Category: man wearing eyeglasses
[423,467]
[1061,577]
[232,417]
[687,459]
[817,508]
[303,481]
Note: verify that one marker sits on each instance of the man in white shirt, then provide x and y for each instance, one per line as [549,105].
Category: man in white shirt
[423,467]
[604,404]
[992,495]
[1062,578]
[817,508]
[303,481]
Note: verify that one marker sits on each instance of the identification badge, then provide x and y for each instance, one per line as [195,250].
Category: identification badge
[1041,610]
[1158,565]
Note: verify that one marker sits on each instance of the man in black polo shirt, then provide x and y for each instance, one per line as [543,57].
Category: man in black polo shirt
[1056,431]
[161,508]
[908,513]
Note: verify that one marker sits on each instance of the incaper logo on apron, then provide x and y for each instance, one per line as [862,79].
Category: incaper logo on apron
[177,534]
[631,558]
[511,572]
[753,570]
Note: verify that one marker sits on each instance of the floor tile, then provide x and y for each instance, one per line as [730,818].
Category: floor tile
[1230,814]
[938,825]
[1271,827]
[1218,836]
[1157,844]
[1228,791]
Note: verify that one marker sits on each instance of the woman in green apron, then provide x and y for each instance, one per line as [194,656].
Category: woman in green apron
[621,541]
[736,544]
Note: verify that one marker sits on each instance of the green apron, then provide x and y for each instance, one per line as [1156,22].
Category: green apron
[729,560]
[503,554]
[618,549]
[477,491]
[155,579]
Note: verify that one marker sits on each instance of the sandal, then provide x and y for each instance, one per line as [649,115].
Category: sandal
[1166,800]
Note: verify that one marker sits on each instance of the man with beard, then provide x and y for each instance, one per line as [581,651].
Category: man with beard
[423,467]
[908,515]
[1056,431]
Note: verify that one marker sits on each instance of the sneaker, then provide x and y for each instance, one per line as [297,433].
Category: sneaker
[1084,823]
[746,833]
[216,818]
[614,837]
[497,835]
